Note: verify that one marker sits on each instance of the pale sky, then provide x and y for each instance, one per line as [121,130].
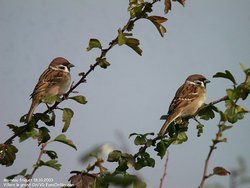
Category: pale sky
[205,37]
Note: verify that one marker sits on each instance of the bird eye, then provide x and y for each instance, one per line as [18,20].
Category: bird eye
[198,82]
[61,67]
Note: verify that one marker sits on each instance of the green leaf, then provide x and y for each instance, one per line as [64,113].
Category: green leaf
[62,138]
[43,135]
[94,43]
[22,173]
[231,94]
[29,134]
[67,116]
[43,117]
[79,98]
[226,75]
[143,161]
[51,99]
[7,154]
[234,112]
[14,128]
[163,117]
[114,156]
[51,122]
[199,127]
[140,140]
[134,44]
[207,112]
[121,38]
[122,165]
[161,148]
[220,171]
[51,163]
[52,154]
[145,135]
[103,62]
[181,137]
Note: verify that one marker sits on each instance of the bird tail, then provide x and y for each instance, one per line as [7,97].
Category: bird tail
[33,106]
[169,120]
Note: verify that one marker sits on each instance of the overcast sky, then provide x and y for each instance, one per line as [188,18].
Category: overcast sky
[205,37]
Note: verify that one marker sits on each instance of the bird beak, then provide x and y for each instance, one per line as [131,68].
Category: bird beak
[206,81]
[71,65]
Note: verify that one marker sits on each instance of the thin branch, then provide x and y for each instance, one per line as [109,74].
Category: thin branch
[165,171]
[212,148]
[37,163]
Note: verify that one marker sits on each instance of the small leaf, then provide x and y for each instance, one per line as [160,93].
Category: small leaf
[103,62]
[43,135]
[51,99]
[167,6]
[207,112]
[80,99]
[114,156]
[14,128]
[231,94]
[121,38]
[199,127]
[143,161]
[181,137]
[94,43]
[29,134]
[163,117]
[83,180]
[134,44]
[51,163]
[51,154]
[161,148]
[62,138]
[157,21]
[219,140]
[226,75]
[43,117]
[220,171]
[140,140]
[67,116]
[22,173]
[123,165]
[7,154]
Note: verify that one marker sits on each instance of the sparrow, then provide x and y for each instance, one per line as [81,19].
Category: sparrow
[187,101]
[54,81]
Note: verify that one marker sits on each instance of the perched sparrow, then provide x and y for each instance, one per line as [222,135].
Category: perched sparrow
[55,80]
[188,99]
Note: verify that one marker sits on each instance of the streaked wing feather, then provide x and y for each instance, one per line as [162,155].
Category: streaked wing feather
[48,79]
[183,97]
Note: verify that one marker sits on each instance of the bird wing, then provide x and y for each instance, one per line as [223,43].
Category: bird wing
[47,80]
[185,95]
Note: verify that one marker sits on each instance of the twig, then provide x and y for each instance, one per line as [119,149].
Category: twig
[165,171]
[212,148]
[37,163]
